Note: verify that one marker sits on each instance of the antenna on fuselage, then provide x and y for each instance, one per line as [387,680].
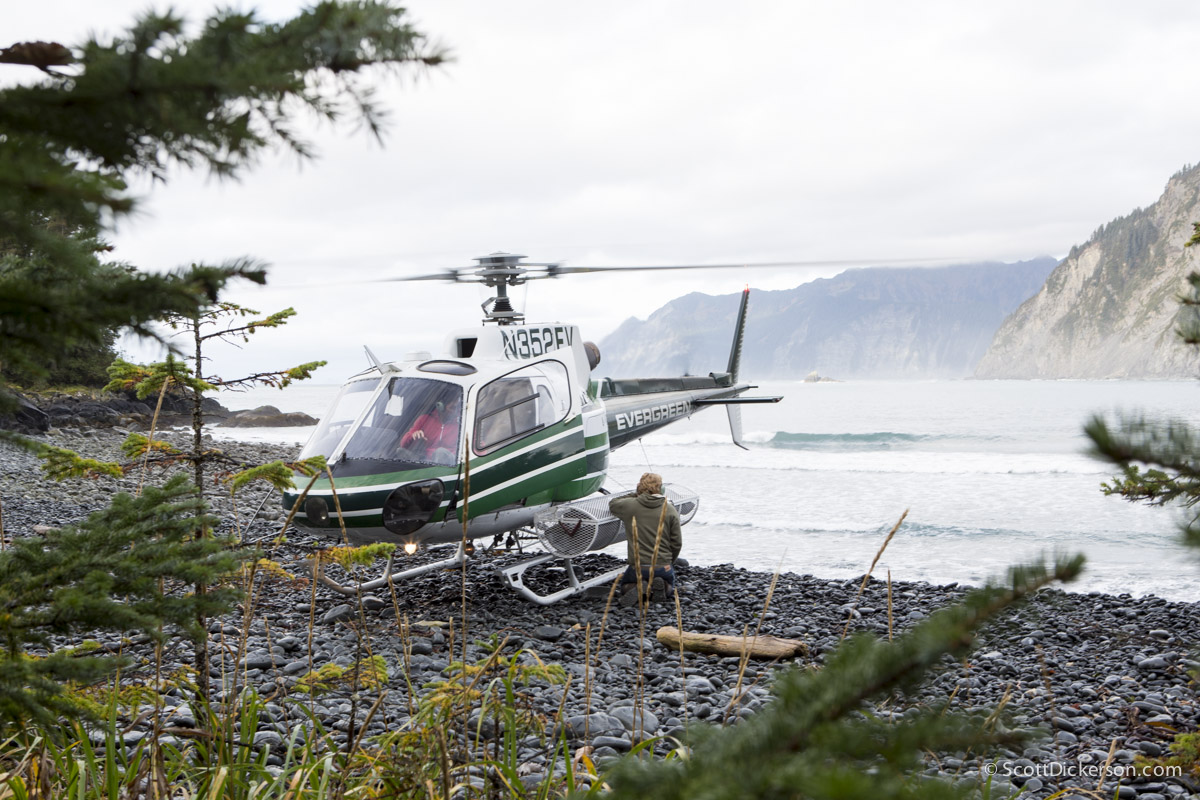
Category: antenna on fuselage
[375,362]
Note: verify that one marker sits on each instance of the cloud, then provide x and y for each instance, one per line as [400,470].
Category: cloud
[671,131]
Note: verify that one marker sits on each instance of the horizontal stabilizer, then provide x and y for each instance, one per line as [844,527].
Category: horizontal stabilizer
[734,401]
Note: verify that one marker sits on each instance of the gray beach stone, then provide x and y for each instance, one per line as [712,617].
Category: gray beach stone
[338,612]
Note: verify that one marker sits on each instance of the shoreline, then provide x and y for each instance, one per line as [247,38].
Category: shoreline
[1092,669]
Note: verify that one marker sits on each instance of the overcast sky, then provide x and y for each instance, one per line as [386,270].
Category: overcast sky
[680,132]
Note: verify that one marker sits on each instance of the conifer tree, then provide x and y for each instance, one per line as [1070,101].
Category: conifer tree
[84,363]
[149,102]
[1159,461]
[103,573]
[146,381]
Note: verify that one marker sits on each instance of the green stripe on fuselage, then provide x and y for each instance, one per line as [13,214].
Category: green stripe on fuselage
[542,467]
[528,471]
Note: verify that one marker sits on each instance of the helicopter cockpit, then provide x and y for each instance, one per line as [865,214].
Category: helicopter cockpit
[403,422]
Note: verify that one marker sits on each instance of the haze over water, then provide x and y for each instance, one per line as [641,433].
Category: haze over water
[992,472]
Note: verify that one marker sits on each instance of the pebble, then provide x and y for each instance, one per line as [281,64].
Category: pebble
[1085,669]
[338,612]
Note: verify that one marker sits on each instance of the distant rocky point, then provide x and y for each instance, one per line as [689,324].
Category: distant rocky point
[267,417]
[39,413]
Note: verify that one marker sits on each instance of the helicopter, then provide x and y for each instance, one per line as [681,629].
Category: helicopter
[505,431]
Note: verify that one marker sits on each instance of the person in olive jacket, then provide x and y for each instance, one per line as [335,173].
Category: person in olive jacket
[655,541]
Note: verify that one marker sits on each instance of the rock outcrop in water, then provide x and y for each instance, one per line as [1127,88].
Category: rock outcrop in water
[267,417]
[1109,310]
[864,323]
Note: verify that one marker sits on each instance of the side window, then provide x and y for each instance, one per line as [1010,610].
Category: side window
[520,403]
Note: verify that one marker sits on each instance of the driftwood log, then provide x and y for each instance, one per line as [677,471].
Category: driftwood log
[753,646]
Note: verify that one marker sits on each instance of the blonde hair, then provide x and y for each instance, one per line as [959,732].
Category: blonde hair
[651,483]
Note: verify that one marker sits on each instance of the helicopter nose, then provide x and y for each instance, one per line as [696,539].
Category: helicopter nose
[412,505]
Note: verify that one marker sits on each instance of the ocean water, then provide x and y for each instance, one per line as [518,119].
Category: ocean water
[991,473]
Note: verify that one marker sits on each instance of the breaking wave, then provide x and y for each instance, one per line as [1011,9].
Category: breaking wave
[880,440]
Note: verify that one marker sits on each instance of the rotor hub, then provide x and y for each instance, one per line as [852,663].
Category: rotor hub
[500,271]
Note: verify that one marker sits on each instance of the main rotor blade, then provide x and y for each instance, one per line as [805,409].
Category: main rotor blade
[748,265]
[447,275]
[542,270]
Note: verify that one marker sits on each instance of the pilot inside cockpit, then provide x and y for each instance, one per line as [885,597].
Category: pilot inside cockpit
[435,432]
[412,420]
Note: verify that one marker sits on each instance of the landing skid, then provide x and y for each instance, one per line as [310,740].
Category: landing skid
[514,577]
[389,576]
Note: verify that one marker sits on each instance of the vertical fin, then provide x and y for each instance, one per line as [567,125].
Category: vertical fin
[735,425]
[735,353]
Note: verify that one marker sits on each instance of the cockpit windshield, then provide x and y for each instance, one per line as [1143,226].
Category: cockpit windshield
[413,420]
[349,403]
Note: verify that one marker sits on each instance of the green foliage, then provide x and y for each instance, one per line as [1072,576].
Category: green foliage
[1159,461]
[300,372]
[224,764]
[271,570]
[1184,757]
[107,573]
[279,474]
[82,363]
[369,674]
[125,376]
[818,738]
[200,327]
[364,555]
[144,102]
[149,102]
[490,694]
[148,380]
[272,321]
[137,445]
[1188,327]
[60,464]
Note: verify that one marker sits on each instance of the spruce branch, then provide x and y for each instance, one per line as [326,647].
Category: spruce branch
[105,573]
[59,464]
[277,379]
[279,474]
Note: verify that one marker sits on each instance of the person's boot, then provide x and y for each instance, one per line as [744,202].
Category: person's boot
[658,591]
[629,595]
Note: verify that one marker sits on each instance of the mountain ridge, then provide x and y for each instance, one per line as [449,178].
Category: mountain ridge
[876,322]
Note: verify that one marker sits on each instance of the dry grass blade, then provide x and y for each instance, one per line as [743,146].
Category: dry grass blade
[612,590]
[150,435]
[745,656]
[870,569]
[889,590]
[337,504]
[1112,751]
[682,665]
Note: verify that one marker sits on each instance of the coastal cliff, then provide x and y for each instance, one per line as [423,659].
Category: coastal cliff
[1110,309]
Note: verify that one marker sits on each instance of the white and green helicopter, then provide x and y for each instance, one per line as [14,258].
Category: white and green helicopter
[506,431]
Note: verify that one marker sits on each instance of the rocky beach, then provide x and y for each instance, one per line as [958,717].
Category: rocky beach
[1104,678]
